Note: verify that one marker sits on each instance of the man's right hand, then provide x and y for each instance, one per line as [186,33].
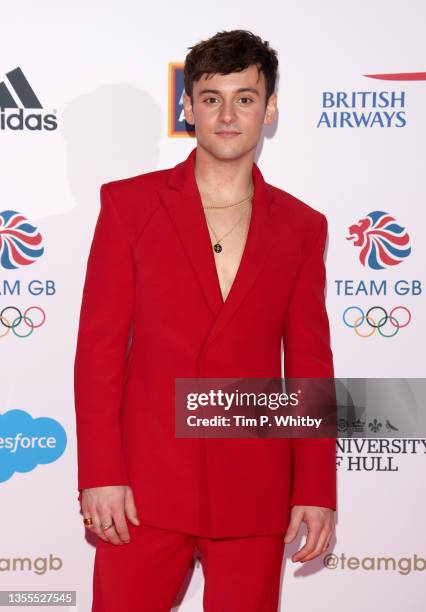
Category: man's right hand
[110,505]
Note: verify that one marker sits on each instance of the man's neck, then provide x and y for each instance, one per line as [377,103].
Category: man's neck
[223,180]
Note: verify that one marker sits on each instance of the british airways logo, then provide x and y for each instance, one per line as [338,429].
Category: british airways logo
[372,109]
[20,241]
[358,109]
[16,95]
[399,76]
[382,241]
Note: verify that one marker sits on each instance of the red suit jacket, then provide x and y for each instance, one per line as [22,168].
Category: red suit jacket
[151,278]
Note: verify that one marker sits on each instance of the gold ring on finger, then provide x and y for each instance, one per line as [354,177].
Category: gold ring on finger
[105,527]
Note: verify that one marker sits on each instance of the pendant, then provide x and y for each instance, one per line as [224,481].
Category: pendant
[217,248]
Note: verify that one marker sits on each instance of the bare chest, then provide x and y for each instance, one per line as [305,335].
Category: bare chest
[233,243]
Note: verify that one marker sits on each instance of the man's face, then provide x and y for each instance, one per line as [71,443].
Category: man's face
[229,111]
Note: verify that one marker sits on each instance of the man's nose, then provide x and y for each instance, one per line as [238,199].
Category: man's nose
[227,112]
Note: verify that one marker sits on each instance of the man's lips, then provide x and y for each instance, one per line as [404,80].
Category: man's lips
[227,133]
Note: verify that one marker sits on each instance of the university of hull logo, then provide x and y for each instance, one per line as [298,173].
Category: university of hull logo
[382,241]
[20,241]
[178,127]
[20,120]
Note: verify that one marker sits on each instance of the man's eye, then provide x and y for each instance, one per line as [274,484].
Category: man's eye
[245,100]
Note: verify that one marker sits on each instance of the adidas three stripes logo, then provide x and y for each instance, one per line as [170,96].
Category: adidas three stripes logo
[22,89]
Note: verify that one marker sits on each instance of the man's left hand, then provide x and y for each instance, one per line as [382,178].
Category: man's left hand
[320,527]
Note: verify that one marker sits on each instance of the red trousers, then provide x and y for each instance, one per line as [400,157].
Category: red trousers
[145,575]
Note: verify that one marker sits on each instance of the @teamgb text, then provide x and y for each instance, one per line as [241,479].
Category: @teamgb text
[376,318]
[21,324]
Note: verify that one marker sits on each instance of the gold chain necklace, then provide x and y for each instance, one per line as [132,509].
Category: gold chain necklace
[230,205]
[217,247]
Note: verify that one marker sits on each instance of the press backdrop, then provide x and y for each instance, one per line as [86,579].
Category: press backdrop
[96,93]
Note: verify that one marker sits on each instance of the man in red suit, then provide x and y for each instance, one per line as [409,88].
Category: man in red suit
[199,271]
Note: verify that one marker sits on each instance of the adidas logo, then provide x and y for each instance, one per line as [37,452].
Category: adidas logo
[24,93]
[22,89]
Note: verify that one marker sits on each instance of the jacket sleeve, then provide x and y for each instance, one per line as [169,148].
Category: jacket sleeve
[307,354]
[99,366]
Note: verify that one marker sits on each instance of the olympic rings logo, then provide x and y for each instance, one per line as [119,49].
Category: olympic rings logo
[10,323]
[370,320]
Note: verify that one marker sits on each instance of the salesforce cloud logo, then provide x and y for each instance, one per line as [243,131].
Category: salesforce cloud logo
[26,442]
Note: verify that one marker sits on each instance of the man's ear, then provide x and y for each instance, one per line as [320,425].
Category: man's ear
[271,109]
[187,109]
